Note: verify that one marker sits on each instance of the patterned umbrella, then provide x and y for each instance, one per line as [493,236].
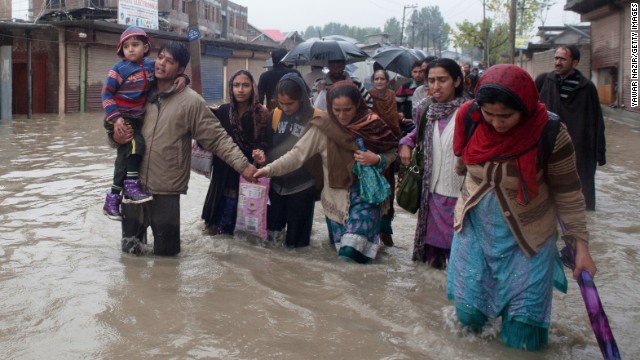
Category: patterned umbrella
[597,316]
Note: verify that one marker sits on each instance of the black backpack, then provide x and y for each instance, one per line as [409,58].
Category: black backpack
[545,144]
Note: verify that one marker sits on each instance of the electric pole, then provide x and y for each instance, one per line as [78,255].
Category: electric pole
[404,11]
[485,34]
[512,31]
[194,47]
[521,28]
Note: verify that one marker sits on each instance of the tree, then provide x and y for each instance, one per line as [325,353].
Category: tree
[393,28]
[333,28]
[312,31]
[471,35]
[427,30]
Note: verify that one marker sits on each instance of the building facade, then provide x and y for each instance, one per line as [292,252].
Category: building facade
[611,48]
[70,52]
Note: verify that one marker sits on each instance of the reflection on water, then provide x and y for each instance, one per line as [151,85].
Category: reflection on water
[67,291]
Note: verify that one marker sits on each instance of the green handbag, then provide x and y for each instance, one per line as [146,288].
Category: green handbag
[409,191]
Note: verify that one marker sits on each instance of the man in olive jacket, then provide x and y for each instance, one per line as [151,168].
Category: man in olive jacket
[571,95]
[170,122]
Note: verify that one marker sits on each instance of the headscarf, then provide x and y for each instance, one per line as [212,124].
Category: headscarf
[341,145]
[259,115]
[520,142]
[384,104]
[367,125]
[306,109]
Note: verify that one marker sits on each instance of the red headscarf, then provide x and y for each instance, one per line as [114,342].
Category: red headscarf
[520,142]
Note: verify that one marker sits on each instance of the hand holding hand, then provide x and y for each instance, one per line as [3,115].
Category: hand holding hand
[260,173]
[405,154]
[259,156]
[248,172]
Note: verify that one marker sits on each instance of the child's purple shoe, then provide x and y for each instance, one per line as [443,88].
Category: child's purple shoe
[111,206]
[133,193]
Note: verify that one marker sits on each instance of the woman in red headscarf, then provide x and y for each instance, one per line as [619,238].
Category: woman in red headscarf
[504,260]
[354,224]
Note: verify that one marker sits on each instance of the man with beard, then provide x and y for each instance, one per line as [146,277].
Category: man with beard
[571,95]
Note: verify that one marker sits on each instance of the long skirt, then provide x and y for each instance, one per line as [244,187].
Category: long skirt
[490,276]
[432,242]
[358,238]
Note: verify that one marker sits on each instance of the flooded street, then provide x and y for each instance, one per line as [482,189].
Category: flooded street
[67,291]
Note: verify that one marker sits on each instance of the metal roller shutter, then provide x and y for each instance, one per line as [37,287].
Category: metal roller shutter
[100,60]
[212,68]
[72,98]
[235,64]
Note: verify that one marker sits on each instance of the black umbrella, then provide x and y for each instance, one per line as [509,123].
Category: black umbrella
[320,52]
[397,59]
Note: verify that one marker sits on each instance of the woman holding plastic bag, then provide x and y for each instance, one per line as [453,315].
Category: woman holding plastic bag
[292,196]
[246,121]
[353,224]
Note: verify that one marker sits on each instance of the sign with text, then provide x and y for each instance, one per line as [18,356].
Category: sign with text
[140,13]
[522,43]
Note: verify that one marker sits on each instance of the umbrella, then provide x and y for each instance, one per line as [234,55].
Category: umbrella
[397,59]
[597,316]
[336,37]
[320,52]
[419,53]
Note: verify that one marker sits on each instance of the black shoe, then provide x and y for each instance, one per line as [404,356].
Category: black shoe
[386,239]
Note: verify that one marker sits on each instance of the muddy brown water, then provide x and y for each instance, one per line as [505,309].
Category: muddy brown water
[67,292]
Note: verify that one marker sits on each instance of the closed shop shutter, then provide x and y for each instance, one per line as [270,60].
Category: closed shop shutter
[605,42]
[255,67]
[212,68]
[235,64]
[72,99]
[100,60]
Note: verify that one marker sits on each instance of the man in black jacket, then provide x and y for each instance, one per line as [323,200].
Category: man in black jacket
[571,95]
[269,79]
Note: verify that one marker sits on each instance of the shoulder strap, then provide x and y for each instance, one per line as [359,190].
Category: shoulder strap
[548,139]
[275,119]
[422,125]
[470,125]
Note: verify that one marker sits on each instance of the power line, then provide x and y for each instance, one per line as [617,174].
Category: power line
[379,6]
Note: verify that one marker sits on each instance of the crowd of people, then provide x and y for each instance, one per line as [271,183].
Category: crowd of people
[491,192]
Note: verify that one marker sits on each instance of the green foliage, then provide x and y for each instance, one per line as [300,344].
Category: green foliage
[393,27]
[427,30]
[472,35]
[333,28]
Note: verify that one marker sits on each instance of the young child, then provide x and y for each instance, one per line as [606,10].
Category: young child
[123,98]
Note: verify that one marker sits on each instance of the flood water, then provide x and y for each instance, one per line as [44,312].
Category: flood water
[67,291]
